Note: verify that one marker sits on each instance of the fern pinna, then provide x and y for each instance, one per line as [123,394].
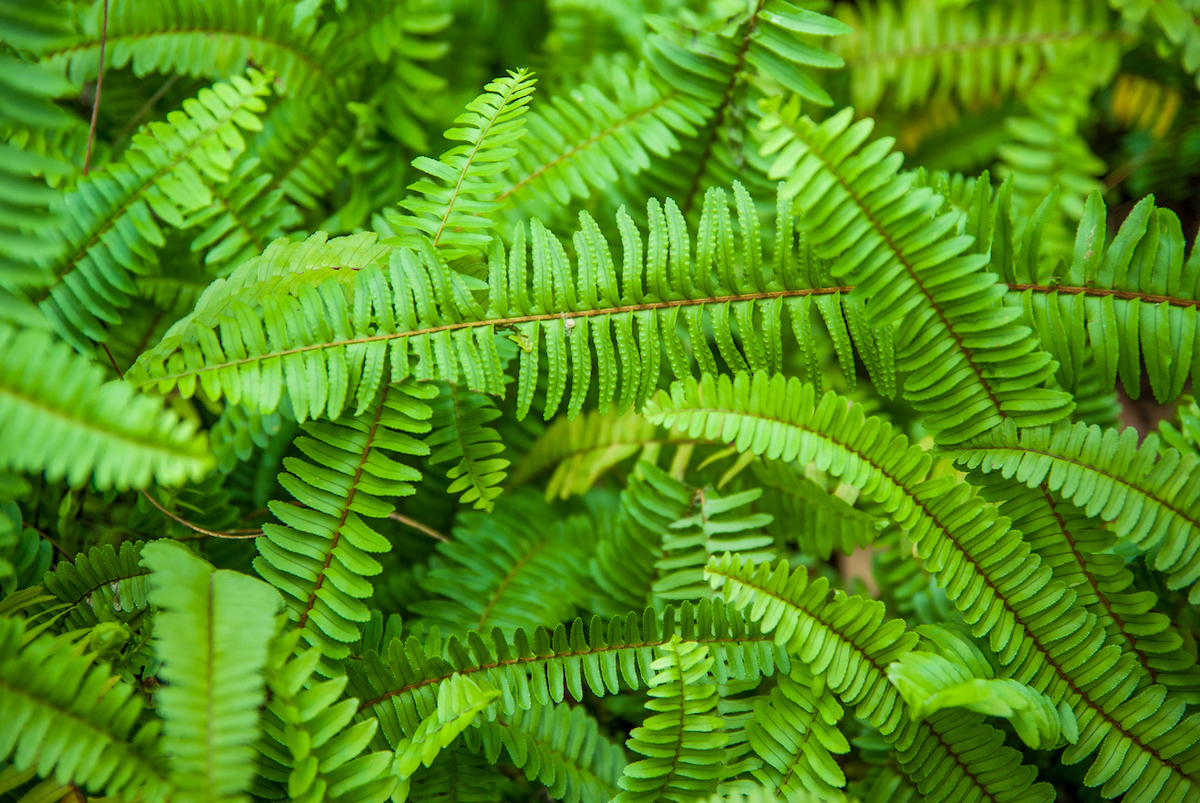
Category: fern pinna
[706,400]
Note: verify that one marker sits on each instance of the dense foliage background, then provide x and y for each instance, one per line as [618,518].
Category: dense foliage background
[468,400]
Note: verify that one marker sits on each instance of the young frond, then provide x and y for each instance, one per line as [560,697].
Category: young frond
[460,192]
[682,740]
[211,634]
[319,554]
[65,716]
[970,366]
[59,416]
[111,219]
[459,701]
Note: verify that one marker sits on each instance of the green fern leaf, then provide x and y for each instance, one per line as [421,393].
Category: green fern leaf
[57,415]
[461,433]
[211,635]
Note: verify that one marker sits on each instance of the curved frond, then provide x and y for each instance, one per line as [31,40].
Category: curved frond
[459,701]
[461,434]
[211,635]
[970,366]
[58,415]
[319,554]
[102,578]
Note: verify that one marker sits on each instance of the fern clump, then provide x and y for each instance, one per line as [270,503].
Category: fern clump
[695,401]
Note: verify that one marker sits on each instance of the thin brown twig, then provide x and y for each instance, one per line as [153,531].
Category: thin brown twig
[87,156]
[416,525]
[232,535]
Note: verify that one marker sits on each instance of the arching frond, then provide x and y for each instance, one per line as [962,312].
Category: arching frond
[319,555]
[578,313]
[461,189]
[212,632]
[969,365]
[59,416]
[68,718]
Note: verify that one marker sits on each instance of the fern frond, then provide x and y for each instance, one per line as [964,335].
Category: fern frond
[1178,22]
[1078,552]
[211,635]
[1119,304]
[319,555]
[682,741]
[57,415]
[583,450]
[208,38]
[561,747]
[105,579]
[462,185]
[24,555]
[461,433]
[65,715]
[912,52]
[794,731]
[1152,501]
[953,672]
[459,701]
[1039,633]
[543,666]
[308,740]
[846,641]
[301,141]
[457,776]
[970,366]
[579,312]
[110,231]
[516,567]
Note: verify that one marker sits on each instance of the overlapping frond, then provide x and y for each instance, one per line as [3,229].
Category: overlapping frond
[319,555]
[426,321]
[1121,304]
[460,191]
[98,584]
[970,365]
[1040,634]
[682,740]
[59,416]
[212,632]
[519,566]
[66,716]
[461,434]
[110,221]
[560,747]
[544,666]
[308,740]
[846,641]
[1152,500]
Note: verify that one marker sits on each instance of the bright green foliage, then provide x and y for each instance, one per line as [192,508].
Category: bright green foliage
[212,633]
[319,555]
[682,740]
[57,415]
[65,715]
[560,746]
[110,229]
[955,673]
[830,493]
[968,364]
[458,194]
